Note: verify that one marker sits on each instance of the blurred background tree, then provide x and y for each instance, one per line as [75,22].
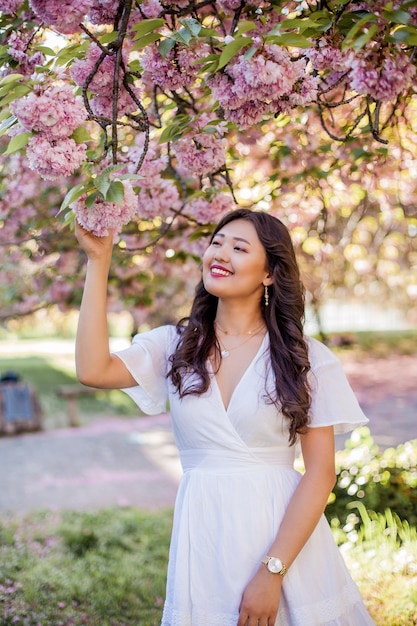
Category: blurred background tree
[153,118]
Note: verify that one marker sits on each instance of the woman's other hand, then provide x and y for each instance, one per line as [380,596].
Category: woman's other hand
[260,599]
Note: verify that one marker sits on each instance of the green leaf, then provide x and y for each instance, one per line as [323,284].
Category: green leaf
[398,16]
[69,218]
[169,133]
[165,47]
[112,168]
[81,134]
[102,184]
[192,25]
[244,27]
[249,53]
[350,37]
[18,142]
[89,201]
[5,125]
[4,114]
[290,39]
[115,192]
[67,54]
[46,51]
[18,92]
[146,40]
[10,78]
[208,32]
[298,24]
[363,39]
[231,49]
[108,37]
[406,34]
[209,57]
[183,36]
[72,195]
[147,26]
[133,177]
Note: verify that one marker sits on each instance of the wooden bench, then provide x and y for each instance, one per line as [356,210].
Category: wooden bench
[71,393]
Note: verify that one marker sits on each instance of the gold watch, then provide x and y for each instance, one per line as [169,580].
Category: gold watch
[274,565]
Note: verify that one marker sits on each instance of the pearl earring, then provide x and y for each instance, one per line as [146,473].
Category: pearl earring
[266,296]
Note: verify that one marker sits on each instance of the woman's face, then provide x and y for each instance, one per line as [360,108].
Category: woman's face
[234,264]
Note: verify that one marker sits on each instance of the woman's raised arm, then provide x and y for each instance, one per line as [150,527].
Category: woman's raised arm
[95,365]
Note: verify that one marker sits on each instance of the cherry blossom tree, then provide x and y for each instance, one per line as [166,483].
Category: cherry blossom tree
[152,118]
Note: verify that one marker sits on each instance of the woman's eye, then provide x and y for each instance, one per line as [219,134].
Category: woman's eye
[215,243]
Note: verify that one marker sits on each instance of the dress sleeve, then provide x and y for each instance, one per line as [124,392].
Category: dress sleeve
[333,401]
[147,361]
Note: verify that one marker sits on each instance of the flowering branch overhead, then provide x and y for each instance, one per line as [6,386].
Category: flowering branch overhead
[139,113]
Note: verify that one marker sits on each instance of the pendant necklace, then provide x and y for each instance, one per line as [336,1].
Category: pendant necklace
[224,352]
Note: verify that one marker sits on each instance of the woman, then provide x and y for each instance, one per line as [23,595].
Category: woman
[250,545]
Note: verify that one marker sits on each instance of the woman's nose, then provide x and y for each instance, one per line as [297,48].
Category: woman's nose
[221,254]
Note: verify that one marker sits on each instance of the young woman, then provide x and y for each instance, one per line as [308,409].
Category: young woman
[250,545]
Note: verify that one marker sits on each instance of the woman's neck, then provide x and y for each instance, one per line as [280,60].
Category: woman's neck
[235,320]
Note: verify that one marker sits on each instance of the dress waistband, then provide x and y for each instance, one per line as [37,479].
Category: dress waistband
[237,460]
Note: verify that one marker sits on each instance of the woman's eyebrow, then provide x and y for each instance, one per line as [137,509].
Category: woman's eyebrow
[234,238]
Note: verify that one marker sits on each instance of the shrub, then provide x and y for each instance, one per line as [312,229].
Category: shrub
[379,481]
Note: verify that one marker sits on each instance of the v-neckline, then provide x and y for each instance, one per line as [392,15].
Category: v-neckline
[252,361]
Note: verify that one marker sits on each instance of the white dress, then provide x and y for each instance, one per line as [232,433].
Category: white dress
[237,482]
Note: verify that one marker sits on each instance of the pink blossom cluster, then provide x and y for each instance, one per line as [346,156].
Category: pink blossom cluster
[18,43]
[157,195]
[63,15]
[53,111]
[207,211]
[176,70]
[55,158]
[59,291]
[230,6]
[159,199]
[103,11]
[381,81]
[148,8]
[21,185]
[15,219]
[102,83]
[249,88]
[200,153]
[103,216]
[9,6]
[326,56]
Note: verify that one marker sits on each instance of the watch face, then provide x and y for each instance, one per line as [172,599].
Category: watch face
[275,565]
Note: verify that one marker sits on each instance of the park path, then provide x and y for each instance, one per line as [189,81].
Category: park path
[133,462]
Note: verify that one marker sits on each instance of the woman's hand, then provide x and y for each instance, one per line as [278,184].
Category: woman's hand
[94,247]
[260,599]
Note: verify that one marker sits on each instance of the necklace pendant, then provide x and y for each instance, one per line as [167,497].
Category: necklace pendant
[224,354]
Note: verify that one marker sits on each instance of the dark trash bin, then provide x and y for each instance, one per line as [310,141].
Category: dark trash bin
[20,409]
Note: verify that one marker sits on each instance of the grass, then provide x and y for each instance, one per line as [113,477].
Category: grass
[47,373]
[375,343]
[95,569]
[108,568]
[382,558]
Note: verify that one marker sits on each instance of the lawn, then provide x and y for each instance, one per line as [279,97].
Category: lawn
[48,372]
[108,568]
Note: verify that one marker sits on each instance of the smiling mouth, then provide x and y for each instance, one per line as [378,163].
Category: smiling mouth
[219,271]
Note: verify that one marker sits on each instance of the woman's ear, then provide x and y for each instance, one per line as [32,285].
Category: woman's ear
[268,281]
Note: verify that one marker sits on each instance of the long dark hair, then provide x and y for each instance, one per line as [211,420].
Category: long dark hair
[283,318]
